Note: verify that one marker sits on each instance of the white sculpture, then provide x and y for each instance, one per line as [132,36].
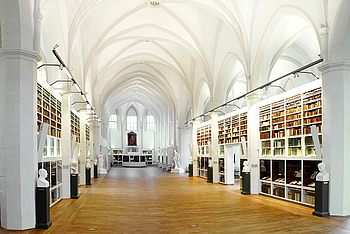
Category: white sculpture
[177,165]
[74,167]
[176,158]
[246,167]
[95,162]
[88,163]
[42,182]
[323,175]
[101,169]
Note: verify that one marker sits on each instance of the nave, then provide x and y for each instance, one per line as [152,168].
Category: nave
[147,200]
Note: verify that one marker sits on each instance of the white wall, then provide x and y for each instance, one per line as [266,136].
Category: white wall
[115,138]
[148,139]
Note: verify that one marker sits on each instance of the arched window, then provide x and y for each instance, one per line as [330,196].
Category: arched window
[131,120]
[113,121]
[151,124]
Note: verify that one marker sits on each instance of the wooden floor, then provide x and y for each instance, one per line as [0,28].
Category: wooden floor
[146,200]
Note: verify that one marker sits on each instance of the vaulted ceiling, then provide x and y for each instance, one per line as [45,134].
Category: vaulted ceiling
[177,55]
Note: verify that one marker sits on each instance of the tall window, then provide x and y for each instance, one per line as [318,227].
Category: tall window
[131,120]
[113,124]
[151,124]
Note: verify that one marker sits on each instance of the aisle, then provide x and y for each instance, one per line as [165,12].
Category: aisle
[146,200]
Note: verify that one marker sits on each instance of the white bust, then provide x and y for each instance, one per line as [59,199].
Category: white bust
[74,166]
[323,175]
[95,162]
[88,163]
[42,182]
[246,168]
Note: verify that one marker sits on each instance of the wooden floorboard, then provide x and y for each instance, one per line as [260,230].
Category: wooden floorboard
[146,200]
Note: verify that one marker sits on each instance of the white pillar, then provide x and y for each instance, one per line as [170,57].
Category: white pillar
[83,152]
[18,151]
[195,147]
[215,146]
[253,141]
[96,126]
[66,144]
[336,133]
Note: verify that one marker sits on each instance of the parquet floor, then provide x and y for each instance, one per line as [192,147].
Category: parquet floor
[146,200]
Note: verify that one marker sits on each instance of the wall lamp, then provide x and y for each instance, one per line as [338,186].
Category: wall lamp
[296,71]
[306,72]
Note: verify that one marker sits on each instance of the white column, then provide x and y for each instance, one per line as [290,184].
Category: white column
[215,146]
[66,144]
[96,129]
[195,147]
[253,141]
[18,150]
[336,133]
[83,152]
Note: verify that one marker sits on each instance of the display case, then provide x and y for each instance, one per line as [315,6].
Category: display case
[148,153]
[117,156]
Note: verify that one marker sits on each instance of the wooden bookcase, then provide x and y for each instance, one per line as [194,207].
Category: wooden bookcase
[204,135]
[288,163]
[75,126]
[232,128]
[49,111]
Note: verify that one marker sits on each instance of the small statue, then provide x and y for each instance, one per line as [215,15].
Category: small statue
[74,167]
[95,162]
[101,169]
[42,182]
[323,175]
[176,158]
[246,167]
[88,163]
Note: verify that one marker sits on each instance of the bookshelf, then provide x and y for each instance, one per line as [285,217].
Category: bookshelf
[75,126]
[49,111]
[232,128]
[204,135]
[288,163]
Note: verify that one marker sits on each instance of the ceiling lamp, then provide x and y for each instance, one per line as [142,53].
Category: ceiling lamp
[153,3]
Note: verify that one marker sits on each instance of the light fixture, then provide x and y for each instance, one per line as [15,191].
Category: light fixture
[296,71]
[153,3]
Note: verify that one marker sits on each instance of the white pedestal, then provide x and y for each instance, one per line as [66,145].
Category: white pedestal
[177,170]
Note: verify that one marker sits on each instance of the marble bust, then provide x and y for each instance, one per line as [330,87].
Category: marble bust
[323,175]
[88,163]
[42,182]
[246,168]
[74,166]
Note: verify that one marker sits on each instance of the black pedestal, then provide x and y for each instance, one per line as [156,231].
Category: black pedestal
[210,175]
[95,171]
[245,183]
[42,208]
[88,176]
[190,170]
[321,199]
[74,182]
